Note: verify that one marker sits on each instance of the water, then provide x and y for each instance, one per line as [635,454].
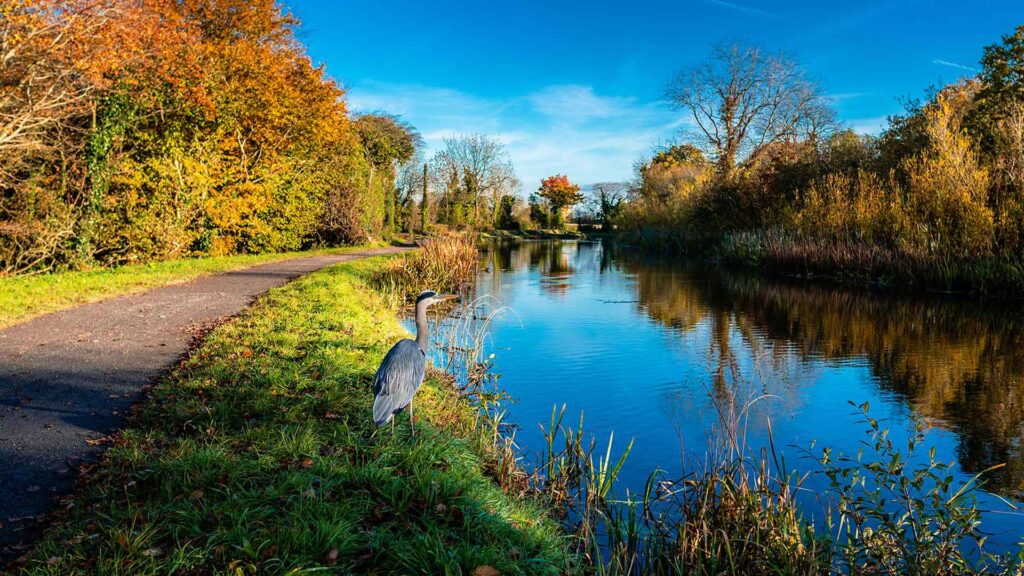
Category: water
[644,347]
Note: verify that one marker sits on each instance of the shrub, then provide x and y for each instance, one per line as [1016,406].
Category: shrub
[947,186]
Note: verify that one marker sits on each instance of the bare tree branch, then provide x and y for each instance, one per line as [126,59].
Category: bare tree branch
[742,101]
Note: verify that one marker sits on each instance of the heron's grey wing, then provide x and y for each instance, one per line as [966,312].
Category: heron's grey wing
[397,380]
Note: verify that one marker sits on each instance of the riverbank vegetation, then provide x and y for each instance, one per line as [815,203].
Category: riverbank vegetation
[769,178]
[447,264]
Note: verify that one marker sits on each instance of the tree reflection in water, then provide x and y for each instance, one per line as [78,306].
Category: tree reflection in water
[958,363]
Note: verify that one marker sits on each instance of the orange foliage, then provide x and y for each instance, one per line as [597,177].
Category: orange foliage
[180,126]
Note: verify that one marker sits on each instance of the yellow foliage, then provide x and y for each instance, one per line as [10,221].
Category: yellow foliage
[948,187]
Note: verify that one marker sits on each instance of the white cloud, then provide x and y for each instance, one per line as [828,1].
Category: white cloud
[953,65]
[844,96]
[575,102]
[873,126]
[565,129]
[743,8]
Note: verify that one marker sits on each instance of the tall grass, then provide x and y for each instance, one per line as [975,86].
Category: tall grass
[861,262]
[446,264]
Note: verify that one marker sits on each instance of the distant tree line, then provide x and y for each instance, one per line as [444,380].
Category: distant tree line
[133,130]
[768,176]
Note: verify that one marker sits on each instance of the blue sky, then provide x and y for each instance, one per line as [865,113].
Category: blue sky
[575,88]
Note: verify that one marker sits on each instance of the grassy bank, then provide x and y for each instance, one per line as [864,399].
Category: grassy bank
[23,297]
[258,456]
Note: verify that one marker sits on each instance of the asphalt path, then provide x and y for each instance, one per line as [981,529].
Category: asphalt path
[68,379]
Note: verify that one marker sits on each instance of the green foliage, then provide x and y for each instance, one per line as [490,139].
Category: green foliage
[1002,80]
[506,219]
[540,212]
[896,514]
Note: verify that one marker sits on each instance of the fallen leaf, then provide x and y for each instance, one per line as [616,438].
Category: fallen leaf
[486,570]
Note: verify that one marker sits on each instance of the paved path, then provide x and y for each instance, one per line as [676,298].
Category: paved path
[71,376]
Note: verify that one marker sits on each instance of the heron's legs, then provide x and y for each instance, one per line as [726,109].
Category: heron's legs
[412,427]
[392,425]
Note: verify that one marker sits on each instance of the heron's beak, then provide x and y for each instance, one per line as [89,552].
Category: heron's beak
[446,297]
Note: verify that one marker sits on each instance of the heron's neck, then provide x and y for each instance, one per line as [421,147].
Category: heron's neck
[422,331]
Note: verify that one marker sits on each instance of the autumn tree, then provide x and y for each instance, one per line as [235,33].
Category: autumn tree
[54,60]
[143,129]
[674,173]
[561,194]
[476,170]
[742,100]
[948,186]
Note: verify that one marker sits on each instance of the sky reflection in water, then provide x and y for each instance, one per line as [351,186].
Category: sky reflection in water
[647,348]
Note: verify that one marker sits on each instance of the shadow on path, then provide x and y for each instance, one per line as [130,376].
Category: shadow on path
[68,379]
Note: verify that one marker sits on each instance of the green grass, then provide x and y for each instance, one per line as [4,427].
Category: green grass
[23,297]
[259,456]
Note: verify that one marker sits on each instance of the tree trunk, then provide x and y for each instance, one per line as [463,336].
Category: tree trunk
[423,203]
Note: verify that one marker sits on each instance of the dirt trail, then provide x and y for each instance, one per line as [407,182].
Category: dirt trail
[69,378]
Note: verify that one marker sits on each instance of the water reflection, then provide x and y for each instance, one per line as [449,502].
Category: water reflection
[958,363]
[653,349]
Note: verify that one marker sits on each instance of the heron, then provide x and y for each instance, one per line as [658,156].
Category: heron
[401,372]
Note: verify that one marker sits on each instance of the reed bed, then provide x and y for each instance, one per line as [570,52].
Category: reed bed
[446,264]
[867,263]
